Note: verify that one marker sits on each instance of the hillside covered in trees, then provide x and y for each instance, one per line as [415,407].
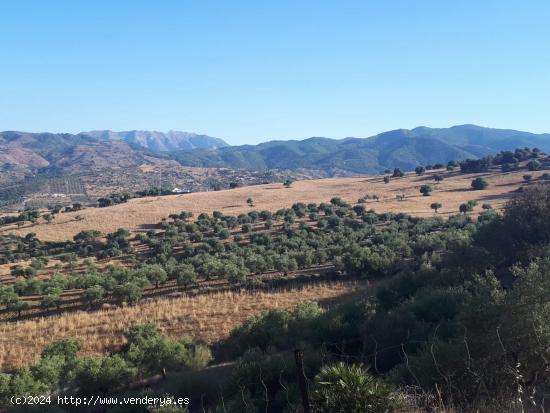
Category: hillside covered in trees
[401,148]
[457,315]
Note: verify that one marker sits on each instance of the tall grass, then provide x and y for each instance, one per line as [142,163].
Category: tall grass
[206,318]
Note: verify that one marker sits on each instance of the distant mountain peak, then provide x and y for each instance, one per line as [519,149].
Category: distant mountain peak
[161,141]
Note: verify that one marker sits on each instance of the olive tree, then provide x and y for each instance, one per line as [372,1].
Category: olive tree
[426,190]
[479,184]
[435,206]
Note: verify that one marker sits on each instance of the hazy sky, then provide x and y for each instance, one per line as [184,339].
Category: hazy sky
[248,71]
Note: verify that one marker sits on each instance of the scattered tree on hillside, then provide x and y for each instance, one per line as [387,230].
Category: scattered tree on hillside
[467,207]
[534,165]
[479,184]
[185,275]
[87,236]
[419,170]
[398,173]
[475,165]
[426,190]
[452,165]
[93,294]
[53,299]
[129,292]
[154,273]
[435,206]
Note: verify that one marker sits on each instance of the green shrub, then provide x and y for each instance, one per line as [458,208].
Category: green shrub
[534,165]
[349,388]
[426,190]
[479,184]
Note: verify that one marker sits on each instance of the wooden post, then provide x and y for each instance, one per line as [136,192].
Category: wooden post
[299,358]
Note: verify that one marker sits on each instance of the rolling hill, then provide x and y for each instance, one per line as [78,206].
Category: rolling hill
[402,148]
[139,213]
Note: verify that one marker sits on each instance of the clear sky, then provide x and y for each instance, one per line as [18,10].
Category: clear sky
[249,71]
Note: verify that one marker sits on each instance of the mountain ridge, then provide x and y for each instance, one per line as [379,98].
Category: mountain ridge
[161,141]
[404,148]
[35,153]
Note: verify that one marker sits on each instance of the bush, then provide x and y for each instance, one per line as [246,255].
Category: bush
[426,190]
[475,165]
[185,275]
[154,273]
[100,375]
[479,184]
[152,352]
[234,273]
[93,294]
[534,165]
[467,207]
[526,217]
[129,293]
[349,388]
[337,201]
[398,173]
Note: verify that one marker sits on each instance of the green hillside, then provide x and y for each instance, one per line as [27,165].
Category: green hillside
[402,148]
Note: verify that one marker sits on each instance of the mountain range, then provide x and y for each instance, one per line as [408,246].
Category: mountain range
[67,153]
[160,141]
[87,151]
[398,148]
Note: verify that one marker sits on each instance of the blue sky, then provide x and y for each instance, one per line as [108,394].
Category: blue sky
[249,71]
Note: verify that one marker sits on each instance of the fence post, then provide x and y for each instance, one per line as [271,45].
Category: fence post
[299,358]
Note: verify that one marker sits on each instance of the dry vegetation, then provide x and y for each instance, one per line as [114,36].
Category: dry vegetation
[207,318]
[139,214]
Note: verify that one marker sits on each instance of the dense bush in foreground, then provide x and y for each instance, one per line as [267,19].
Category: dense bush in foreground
[468,327]
[61,370]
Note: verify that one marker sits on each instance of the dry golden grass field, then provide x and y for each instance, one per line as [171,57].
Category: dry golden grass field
[207,318]
[139,214]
